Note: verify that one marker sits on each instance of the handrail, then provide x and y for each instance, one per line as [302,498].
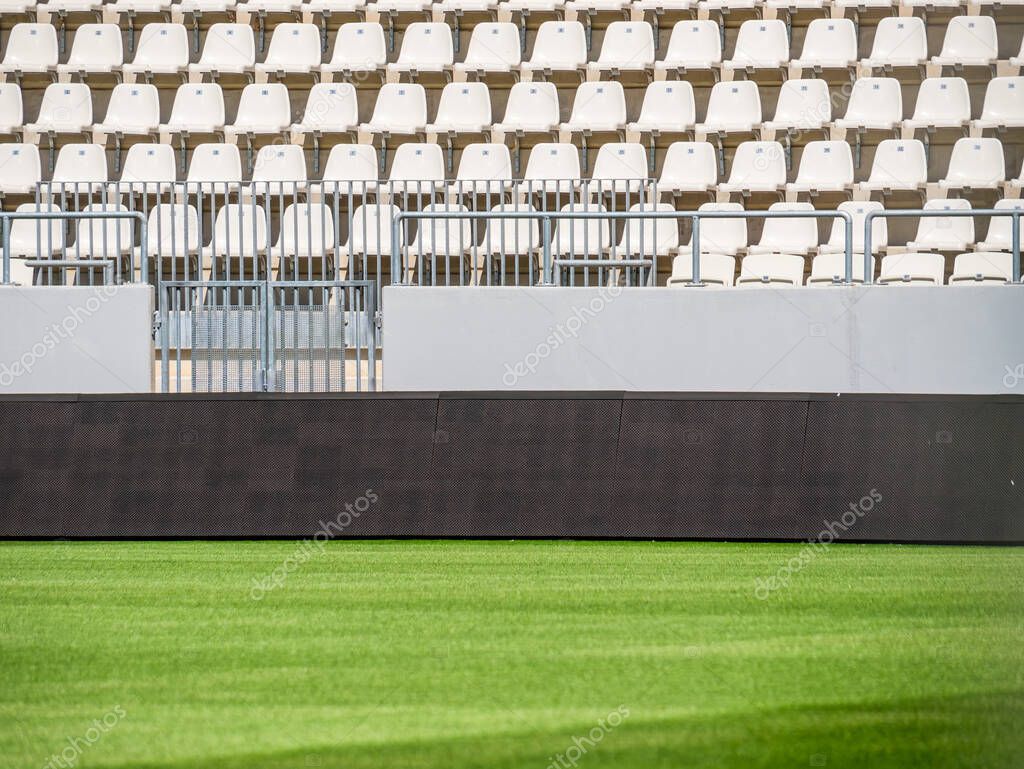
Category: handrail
[1013,213]
[7,216]
[546,217]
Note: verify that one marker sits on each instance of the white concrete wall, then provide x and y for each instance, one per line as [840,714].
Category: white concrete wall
[76,340]
[876,339]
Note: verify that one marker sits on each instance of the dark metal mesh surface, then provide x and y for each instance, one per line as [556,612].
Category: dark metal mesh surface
[947,469]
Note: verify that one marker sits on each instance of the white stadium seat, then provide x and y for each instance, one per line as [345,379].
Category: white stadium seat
[830,268]
[493,48]
[668,107]
[150,163]
[12,114]
[401,108]
[464,108]
[715,269]
[33,238]
[981,267]
[162,49]
[350,169]
[443,237]
[95,50]
[418,169]
[483,169]
[771,271]
[829,44]
[900,41]
[31,49]
[1004,104]
[858,210]
[531,107]
[66,109]
[578,237]
[1000,228]
[969,41]
[359,48]
[229,49]
[875,103]
[620,167]
[307,231]
[975,164]
[689,167]
[238,239]
[756,167]
[264,108]
[215,169]
[720,236]
[825,166]
[953,233]
[693,45]
[197,108]
[732,108]
[294,49]
[331,108]
[370,231]
[551,168]
[803,105]
[133,109]
[560,46]
[627,46]
[598,106]
[426,47]
[22,169]
[899,164]
[508,236]
[912,269]
[173,231]
[109,238]
[788,236]
[761,44]
[942,102]
[279,170]
[649,236]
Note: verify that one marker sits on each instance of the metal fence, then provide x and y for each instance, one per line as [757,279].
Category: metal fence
[277,285]
[278,336]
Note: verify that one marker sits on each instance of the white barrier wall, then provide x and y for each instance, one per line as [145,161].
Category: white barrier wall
[876,339]
[76,340]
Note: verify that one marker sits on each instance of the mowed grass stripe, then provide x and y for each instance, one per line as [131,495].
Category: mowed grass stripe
[496,654]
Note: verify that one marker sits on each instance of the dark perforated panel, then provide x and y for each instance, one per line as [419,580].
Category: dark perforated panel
[782,467]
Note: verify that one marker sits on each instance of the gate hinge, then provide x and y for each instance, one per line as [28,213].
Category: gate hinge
[157,325]
[377,319]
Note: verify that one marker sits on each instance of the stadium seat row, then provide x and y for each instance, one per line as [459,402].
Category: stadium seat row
[465,108]
[494,47]
[187,7]
[419,169]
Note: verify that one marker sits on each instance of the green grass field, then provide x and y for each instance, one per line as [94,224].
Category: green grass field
[388,655]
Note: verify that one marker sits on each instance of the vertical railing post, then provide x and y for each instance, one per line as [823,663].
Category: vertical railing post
[370,304]
[397,271]
[7,250]
[165,348]
[1015,241]
[547,269]
[869,263]
[267,357]
[695,250]
[848,241]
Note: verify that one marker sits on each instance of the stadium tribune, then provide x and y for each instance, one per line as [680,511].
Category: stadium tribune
[511,384]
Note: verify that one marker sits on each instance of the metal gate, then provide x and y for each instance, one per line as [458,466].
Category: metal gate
[272,336]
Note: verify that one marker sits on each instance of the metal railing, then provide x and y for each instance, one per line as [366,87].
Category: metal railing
[550,264]
[1013,213]
[279,336]
[112,253]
